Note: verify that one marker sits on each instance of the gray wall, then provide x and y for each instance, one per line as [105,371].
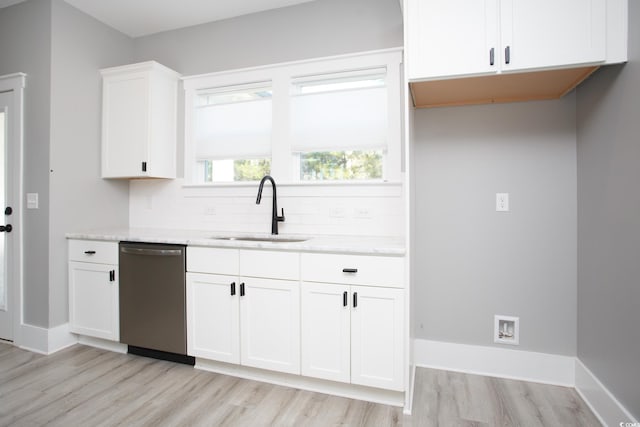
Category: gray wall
[320,28]
[472,262]
[609,223]
[25,47]
[80,199]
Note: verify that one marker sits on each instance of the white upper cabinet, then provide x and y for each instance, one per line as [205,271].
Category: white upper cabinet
[451,37]
[552,33]
[448,38]
[139,113]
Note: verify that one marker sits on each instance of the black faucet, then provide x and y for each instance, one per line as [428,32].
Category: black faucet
[274,210]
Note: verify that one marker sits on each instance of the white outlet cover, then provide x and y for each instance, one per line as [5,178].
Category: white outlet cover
[502,202]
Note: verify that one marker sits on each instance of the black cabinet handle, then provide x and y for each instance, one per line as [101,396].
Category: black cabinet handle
[355,299]
[242,289]
[144,166]
[233,288]
[349,270]
[507,54]
[112,275]
[344,299]
[8,210]
[492,56]
[90,252]
[6,228]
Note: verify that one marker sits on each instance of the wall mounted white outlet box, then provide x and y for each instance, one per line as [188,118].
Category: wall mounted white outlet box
[32,200]
[506,329]
[502,202]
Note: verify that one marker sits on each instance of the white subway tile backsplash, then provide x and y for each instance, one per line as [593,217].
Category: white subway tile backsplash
[361,209]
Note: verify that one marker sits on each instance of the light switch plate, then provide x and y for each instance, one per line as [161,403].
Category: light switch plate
[32,200]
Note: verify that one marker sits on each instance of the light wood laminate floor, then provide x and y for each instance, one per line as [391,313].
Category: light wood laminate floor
[85,386]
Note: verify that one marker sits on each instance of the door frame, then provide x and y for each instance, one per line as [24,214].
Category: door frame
[16,83]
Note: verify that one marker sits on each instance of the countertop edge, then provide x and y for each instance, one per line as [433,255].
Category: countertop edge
[379,245]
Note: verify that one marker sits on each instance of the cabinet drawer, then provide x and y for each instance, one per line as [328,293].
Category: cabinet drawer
[212,260]
[270,264]
[98,252]
[353,269]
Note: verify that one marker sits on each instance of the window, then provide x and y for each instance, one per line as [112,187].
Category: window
[339,125]
[233,133]
[323,120]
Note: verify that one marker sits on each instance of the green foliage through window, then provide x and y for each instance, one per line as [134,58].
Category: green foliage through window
[341,165]
[251,170]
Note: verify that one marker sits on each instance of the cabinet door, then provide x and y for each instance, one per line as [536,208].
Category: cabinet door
[213,330]
[270,324]
[93,300]
[125,125]
[326,331]
[551,33]
[377,337]
[452,38]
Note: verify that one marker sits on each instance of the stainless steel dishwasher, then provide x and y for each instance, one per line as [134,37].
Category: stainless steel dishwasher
[153,318]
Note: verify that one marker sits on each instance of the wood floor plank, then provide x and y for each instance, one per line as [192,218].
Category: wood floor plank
[85,386]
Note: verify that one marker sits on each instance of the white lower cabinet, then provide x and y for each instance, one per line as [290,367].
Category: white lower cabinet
[251,321]
[270,324]
[260,314]
[353,334]
[94,289]
[213,317]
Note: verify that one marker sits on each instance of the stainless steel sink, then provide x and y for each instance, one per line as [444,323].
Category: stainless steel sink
[260,239]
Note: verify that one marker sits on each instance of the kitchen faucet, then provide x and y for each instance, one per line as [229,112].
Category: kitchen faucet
[274,209]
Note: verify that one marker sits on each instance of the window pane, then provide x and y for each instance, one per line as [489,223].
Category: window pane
[341,165]
[233,123]
[230,170]
[347,112]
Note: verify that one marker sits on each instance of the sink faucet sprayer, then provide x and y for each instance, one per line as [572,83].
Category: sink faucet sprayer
[274,209]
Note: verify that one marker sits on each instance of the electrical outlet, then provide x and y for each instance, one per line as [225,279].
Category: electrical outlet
[209,210]
[337,213]
[362,213]
[506,329]
[502,202]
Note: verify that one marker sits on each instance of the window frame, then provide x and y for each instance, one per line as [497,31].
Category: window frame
[281,76]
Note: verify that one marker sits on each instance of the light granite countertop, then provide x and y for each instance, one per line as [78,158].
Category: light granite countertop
[365,245]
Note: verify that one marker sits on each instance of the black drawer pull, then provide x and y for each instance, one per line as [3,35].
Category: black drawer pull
[507,55]
[112,275]
[344,299]
[355,299]
[242,289]
[233,288]
[90,252]
[492,56]
[349,270]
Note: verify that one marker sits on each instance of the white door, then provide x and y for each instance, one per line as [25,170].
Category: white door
[452,38]
[548,33]
[7,286]
[326,331]
[213,318]
[270,324]
[377,337]
[94,300]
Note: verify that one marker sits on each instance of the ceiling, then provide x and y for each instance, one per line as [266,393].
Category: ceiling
[142,17]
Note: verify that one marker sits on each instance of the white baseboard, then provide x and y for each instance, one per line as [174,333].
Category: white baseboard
[408,398]
[60,337]
[45,341]
[116,347]
[387,397]
[496,362]
[604,405]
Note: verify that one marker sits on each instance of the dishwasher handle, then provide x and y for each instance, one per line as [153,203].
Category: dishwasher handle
[152,252]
